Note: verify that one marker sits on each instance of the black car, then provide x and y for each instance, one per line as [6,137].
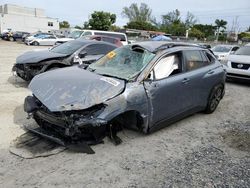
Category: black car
[18,35]
[67,54]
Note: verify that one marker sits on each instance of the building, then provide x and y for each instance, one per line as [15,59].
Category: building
[17,18]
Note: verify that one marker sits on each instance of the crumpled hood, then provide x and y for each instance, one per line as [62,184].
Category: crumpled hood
[37,56]
[239,58]
[74,88]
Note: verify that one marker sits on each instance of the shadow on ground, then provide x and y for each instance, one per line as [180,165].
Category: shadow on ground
[17,82]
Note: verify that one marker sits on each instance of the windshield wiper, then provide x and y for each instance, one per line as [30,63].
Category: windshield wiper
[113,76]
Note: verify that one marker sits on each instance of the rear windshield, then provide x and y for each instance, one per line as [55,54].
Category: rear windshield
[221,48]
[75,34]
[67,47]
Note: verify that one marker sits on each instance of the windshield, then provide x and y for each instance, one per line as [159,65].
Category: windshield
[67,47]
[245,50]
[123,62]
[221,48]
[75,34]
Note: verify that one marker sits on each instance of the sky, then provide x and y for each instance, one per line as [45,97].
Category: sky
[78,11]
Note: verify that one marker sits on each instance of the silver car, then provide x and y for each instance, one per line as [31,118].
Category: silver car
[143,86]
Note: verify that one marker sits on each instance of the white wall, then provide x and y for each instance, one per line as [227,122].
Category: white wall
[27,23]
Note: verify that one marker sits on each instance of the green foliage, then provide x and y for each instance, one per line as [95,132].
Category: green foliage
[171,18]
[208,30]
[176,29]
[140,25]
[138,14]
[196,33]
[100,20]
[220,24]
[190,20]
[114,28]
[78,27]
[64,24]
[172,23]
[244,35]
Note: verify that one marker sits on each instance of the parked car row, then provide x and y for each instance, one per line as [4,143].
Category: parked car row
[50,39]
[143,86]
[14,36]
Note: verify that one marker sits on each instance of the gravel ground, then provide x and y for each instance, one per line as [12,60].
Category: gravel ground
[199,151]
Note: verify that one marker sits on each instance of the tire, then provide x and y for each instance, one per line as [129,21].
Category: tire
[11,39]
[214,99]
[36,43]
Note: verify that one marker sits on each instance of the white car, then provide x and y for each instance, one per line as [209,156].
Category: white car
[223,51]
[238,65]
[47,40]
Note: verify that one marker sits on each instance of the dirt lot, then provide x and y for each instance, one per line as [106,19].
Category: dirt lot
[199,151]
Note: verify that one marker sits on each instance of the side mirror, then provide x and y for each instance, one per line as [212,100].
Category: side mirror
[82,54]
[232,52]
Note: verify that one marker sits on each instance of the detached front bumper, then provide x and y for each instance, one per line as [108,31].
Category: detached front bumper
[88,128]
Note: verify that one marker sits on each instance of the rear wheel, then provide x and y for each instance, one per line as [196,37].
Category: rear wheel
[214,99]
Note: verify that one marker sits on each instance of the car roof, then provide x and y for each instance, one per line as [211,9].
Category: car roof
[85,42]
[154,46]
[92,36]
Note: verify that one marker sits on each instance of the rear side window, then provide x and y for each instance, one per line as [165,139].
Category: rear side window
[195,59]
[98,49]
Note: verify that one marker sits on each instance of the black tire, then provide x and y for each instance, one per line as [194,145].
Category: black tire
[11,39]
[36,43]
[214,99]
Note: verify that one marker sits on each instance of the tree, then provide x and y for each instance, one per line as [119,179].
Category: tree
[138,14]
[171,18]
[140,25]
[248,29]
[78,27]
[190,20]
[196,33]
[100,20]
[64,24]
[208,30]
[220,24]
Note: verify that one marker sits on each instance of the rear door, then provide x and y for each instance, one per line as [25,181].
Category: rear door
[200,71]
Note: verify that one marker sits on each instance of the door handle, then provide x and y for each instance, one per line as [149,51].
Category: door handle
[185,80]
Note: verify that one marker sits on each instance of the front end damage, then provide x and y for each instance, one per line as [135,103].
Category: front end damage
[68,126]
[27,71]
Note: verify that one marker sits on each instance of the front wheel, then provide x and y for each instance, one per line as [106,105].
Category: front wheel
[36,43]
[214,99]
[11,39]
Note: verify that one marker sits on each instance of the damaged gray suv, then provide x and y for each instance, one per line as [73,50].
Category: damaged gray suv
[143,86]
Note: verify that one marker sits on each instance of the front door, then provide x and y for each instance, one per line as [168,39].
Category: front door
[167,89]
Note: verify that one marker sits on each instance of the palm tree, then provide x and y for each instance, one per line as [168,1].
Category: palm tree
[138,14]
[220,24]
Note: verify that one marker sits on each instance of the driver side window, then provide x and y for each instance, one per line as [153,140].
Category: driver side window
[168,66]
